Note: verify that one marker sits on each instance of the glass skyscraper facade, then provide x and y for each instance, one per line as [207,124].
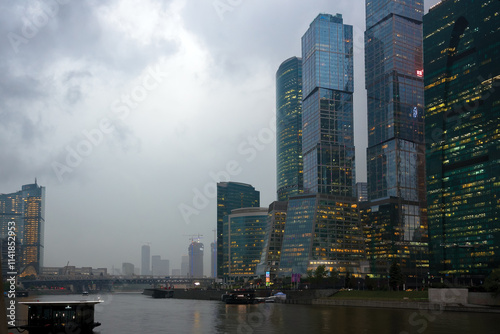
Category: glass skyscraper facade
[26,208]
[322,225]
[327,107]
[322,230]
[275,229]
[396,152]
[289,128]
[462,97]
[230,196]
[245,231]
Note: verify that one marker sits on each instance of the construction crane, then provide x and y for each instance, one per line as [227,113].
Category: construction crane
[66,269]
[193,236]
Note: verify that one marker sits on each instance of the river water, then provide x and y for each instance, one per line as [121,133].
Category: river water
[127,313]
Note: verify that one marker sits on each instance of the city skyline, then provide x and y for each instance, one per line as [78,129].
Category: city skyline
[75,117]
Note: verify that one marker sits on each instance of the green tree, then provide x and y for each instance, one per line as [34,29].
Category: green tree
[348,280]
[320,272]
[310,276]
[492,282]
[369,283]
[333,277]
[317,276]
[396,277]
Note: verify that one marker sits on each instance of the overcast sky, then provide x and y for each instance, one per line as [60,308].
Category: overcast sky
[128,112]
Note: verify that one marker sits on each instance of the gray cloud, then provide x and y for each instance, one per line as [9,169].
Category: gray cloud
[181,90]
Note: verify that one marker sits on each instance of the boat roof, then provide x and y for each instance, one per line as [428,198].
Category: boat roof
[64,302]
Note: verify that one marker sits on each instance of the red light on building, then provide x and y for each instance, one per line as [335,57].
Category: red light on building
[420,73]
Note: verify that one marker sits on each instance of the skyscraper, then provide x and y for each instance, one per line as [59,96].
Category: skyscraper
[462,122]
[230,196]
[322,226]
[26,209]
[289,128]
[395,154]
[195,252]
[327,108]
[145,260]
[244,231]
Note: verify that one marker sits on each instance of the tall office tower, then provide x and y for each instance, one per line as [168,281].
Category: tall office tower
[289,128]
[213,259]
[230,196]
[395,154]
[271,251]
[244,232]
[322,226]
[195,251]
[462,123]
[145,260]
[327,107]
[25,210]
[185,266]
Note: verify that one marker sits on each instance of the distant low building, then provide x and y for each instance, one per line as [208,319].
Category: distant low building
[159,266]
[128,269]
[72,270]
[184,266]
[145,260]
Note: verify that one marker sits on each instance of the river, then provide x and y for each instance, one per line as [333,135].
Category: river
[127,313]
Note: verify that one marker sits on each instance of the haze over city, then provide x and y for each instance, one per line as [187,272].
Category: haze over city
[128,112]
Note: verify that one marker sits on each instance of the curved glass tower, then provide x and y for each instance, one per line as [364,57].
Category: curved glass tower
[289,128]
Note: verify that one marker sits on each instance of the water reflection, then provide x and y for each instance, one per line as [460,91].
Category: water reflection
[135,313]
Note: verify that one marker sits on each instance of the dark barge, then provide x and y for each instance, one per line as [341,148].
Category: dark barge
[51,317]
[158,293]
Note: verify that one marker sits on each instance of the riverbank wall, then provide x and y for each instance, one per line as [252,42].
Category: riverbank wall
[403,305]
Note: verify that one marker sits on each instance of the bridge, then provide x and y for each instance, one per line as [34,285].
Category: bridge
[80,283]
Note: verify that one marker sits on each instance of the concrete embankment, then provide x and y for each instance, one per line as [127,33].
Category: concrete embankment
[404,305]
[456,300]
